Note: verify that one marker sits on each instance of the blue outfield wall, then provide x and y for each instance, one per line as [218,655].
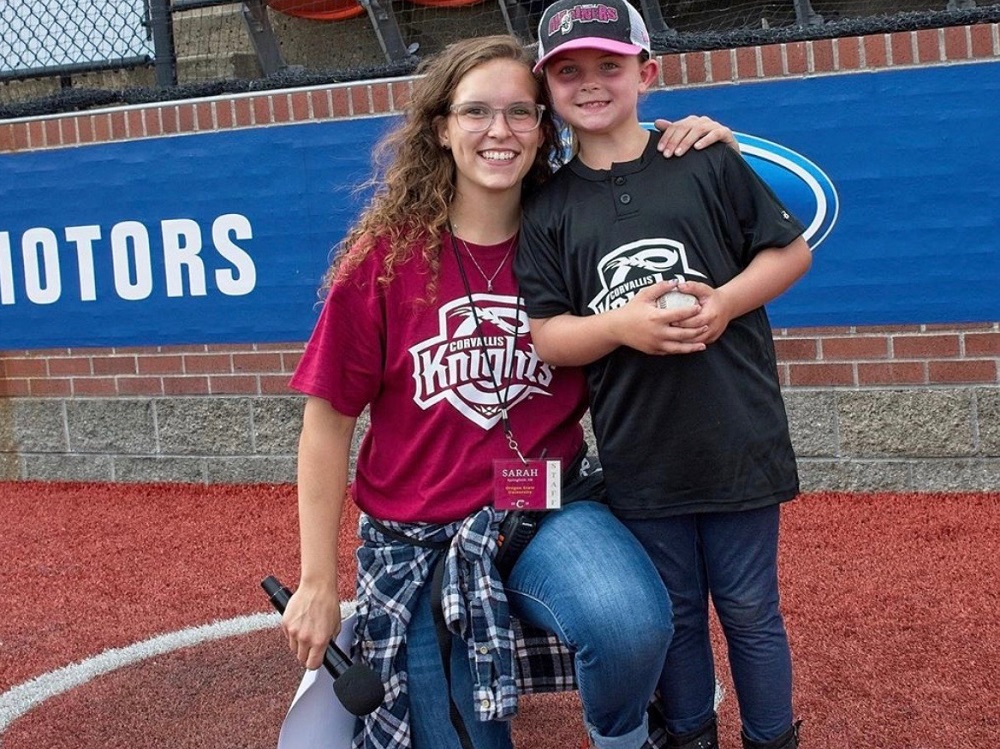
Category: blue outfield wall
[223,237]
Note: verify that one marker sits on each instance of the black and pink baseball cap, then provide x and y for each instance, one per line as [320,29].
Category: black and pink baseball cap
[610,25]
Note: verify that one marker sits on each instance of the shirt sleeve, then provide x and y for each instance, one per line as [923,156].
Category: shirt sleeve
[539,269]
[763,219]
[344,359]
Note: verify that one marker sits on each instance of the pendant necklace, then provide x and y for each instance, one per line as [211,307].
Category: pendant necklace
[489,279]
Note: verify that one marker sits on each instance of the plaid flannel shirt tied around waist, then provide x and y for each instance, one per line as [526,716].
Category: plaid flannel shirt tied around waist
[505,656]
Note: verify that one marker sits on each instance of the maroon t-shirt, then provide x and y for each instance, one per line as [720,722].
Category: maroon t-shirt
[434,383]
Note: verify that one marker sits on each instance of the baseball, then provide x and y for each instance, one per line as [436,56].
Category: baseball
[676,300]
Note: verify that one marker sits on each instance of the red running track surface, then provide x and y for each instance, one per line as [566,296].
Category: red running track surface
[891,603]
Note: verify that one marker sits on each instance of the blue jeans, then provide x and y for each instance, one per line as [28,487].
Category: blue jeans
[733,556]
[585,578]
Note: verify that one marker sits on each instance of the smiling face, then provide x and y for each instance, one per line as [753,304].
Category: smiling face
[598,92]
[496,159]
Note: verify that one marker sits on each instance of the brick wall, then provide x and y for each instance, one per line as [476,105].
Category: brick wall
[893,408]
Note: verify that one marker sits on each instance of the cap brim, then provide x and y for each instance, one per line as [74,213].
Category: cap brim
[590,42]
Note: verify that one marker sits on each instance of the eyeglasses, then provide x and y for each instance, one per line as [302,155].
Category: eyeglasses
[476,117]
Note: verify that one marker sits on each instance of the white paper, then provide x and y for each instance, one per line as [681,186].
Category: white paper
[316,718]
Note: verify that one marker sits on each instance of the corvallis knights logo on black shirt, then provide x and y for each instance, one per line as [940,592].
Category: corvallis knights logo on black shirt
[473,372]
[563,22]
[633,266]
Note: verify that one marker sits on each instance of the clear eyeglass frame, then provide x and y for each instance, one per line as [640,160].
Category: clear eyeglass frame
[476,117]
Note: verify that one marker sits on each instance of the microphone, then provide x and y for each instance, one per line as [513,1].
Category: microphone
[357,687]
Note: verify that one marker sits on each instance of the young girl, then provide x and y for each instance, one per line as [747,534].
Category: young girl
[654,274]
[423,325]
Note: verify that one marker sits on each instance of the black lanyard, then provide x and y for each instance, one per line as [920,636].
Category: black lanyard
[502,400]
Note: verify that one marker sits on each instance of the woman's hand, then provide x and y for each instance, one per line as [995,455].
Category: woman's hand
[310,621]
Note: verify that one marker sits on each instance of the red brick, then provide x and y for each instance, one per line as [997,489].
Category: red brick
[242,115]
[746,62]
[822,50]
[274,385]
[36,133]
[966,370]
[171,123]
[224,116]
[185,118]
[160,364]
[70,365]
[140,386]
[67,130]
[52,133]
[50,387]
[259,362]
[770,58]
[796,349]
[795,56]
[133,123]
[925,346]
[208,364]
[114,365]
[203,116]
[401,92]
[300,106]
[856,347]
[982,344]
[233,385]
[928,45]
[956,43]
[671,70]
[25,367]
[261,106]
[982,40]
[815,375]
[185,386]
[875,53]
[721,63]
[279,106]
[968,327]
[17,388]
[380,98]
[892,373]
[320,105]
[290,361]
[901,44]
[359,99]
[341,102]
[6,138]
[94,386]
[19,136]
[151,121]
[697,71]
[86,129]
[118,129]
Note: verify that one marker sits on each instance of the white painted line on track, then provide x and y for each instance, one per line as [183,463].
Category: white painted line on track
[17,701]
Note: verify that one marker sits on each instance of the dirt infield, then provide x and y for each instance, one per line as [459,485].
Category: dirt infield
[134,618]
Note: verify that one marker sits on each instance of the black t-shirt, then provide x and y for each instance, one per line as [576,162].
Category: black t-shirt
[684,433]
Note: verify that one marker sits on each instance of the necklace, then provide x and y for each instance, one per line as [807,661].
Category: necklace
[489,279]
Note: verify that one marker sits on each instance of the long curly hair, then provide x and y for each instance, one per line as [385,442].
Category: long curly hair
[414,177]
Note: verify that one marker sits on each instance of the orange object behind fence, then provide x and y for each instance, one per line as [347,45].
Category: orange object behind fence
[320,10]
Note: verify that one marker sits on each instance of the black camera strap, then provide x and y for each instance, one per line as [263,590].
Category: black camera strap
[444,636]
[505,377]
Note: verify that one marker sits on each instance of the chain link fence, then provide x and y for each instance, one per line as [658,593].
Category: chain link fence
[64,55]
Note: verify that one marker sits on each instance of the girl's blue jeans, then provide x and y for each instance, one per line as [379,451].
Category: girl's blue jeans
[733,557]
[586,578]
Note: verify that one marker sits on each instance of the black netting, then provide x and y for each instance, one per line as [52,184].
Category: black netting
[69,55]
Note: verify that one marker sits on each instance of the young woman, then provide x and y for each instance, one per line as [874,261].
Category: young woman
[423,325]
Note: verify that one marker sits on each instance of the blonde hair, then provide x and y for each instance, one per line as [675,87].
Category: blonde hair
[414,178]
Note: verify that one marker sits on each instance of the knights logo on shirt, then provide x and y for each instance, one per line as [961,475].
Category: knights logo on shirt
[477,367]
[633,266]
